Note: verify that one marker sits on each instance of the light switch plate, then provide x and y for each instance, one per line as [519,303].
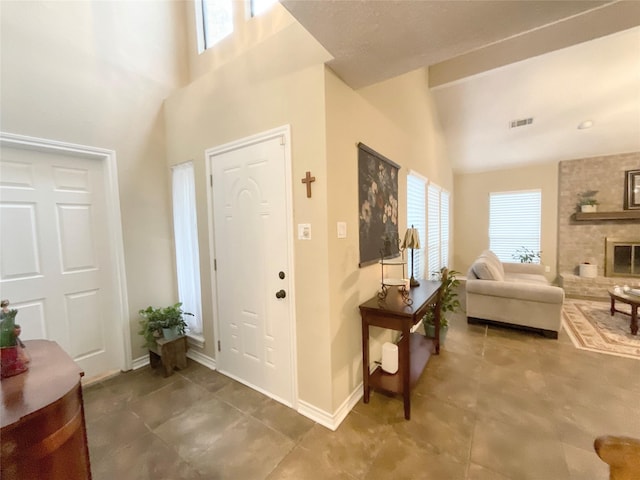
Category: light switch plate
[304,231]
[342,229]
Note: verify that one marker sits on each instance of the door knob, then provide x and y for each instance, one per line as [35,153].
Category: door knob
[281,294]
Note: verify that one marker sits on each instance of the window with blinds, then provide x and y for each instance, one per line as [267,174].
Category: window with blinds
[416,216]
[514,222]
[438,228]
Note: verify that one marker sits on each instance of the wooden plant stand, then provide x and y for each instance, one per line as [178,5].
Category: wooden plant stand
[171,353]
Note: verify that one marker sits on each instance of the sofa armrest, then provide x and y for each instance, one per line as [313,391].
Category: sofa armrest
[530,268]
[512,290]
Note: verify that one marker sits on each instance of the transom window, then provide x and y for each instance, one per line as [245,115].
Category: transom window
[214,19]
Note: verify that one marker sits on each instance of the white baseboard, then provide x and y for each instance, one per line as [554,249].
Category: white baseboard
[140,362]
[202,359]
[331,420]
[194,355]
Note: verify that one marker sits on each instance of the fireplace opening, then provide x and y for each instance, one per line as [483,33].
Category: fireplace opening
[622,258]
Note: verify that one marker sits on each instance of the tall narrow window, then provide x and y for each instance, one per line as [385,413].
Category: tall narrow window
[416,216]
[214,21]
[514,222]
[185,231]
[260,6]
[438,228]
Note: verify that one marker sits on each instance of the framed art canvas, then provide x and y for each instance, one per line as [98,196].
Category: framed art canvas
[378,206]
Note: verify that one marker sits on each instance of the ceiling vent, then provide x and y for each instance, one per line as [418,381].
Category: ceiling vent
[521,122]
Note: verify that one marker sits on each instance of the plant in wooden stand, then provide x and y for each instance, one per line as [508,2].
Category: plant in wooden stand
[167,322]
[587,202]
[449,303]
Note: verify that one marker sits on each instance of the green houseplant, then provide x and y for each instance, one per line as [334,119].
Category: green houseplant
[165,322]
[524,255]
[587,201]
[449,303]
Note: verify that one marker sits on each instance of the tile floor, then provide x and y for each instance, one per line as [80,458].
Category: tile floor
[496,404]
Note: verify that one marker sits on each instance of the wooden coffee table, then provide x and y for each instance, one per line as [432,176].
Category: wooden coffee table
[629,299]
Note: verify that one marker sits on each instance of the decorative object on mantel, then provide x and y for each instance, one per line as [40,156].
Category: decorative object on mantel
[591,327]
[378,205]
[13,357]
[587,202]
[308,179]
[632,189]
[412,241]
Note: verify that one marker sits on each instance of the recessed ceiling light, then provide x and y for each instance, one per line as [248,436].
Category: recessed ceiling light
[585,124]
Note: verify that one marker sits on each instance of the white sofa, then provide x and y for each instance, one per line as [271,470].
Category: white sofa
[515,294]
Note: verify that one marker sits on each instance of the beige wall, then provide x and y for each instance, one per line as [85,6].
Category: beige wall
[396,119]
[81,72]
[261,89]
[471,210]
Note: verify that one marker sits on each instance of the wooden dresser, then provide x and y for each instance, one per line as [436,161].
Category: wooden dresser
[43,432]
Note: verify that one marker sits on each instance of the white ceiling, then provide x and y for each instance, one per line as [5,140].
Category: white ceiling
[488,65]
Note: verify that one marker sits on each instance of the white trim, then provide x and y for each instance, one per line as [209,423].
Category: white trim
[202,359]
[417,174]
[331,420]
[284,131]
[194,355]
[121,326]
[140,362]
[195,340]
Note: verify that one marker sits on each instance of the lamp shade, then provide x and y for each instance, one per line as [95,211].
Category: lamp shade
[411,238]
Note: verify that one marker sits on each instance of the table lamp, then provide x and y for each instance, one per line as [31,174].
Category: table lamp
[412,241]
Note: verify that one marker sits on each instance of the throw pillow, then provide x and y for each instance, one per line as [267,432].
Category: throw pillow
[485,270]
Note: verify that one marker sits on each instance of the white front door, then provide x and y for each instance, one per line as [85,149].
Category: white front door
[252,237]
[57,266]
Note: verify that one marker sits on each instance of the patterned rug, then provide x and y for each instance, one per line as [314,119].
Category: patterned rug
[591,327]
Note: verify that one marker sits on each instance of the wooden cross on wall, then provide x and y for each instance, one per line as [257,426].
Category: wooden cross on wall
[308,179]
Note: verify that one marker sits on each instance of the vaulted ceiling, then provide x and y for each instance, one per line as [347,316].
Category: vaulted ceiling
[492,62]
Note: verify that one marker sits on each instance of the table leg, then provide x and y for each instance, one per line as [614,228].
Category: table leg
[613,306]
[365,361]
[406,370]
[634,319]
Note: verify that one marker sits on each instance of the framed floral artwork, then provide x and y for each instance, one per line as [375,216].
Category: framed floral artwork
[378,206]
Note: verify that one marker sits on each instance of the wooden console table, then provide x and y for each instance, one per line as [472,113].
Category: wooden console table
[414,349]
[43,428]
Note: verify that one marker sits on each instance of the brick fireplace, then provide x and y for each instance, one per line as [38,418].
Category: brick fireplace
[585,240]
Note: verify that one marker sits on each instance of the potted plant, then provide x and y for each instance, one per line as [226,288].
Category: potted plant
[167,322]
[449,303]
[524,255]
[587,202]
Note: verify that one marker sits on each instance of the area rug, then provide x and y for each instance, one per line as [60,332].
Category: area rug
[591,327]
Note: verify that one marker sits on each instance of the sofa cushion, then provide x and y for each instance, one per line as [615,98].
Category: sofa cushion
[485,269]
[495,261]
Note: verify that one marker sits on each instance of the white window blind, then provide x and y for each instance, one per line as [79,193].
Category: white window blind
[444,228]
[437,228]
[416,216]
[433,225]
[185,230]
[514,222]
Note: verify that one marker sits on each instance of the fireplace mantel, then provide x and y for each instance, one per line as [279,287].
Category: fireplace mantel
[625,215]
